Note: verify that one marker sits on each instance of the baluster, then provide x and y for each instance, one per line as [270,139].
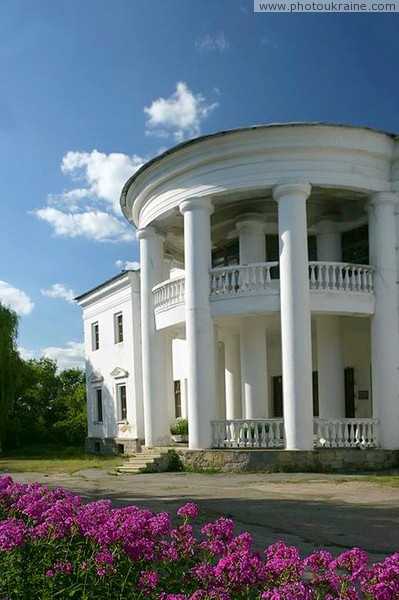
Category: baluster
[252,278]
[340,278]
[232,434]
[358,280]
[213,284]
[354,279]
[334,434]
[362,280]
[333,283]
[318,434]
[263,433]
[327,277]
[312,277]
[268,274]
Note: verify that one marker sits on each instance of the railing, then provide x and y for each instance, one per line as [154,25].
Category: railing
[241,279]
[264,277]
[169,293]
[343,277]
[248,433]
[269,433]
[346,433]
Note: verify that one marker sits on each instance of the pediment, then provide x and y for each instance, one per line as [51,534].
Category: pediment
[96,377]
[118,373]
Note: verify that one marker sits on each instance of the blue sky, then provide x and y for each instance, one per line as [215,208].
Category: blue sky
[91,89]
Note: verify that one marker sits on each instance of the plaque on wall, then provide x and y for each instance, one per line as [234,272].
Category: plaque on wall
[363,394]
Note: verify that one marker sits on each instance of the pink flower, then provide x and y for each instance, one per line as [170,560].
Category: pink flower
[189,511]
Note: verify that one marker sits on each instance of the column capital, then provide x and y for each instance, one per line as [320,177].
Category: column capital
[382,198]
[251,223]
[292,188]
[197,203]
[146,233]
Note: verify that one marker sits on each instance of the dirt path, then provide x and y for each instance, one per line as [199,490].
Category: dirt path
[308,510]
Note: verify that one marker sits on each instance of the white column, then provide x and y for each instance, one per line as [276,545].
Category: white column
[295,315]
[202,393]
[330,360]
[384,323]
[232,376]
[169,395]
[156,421]
[220,383]
[329,241]
[254,368]
[254,378]
[252,238]
[330,366]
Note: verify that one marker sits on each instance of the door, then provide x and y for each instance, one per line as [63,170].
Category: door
[278,396]
[350,393]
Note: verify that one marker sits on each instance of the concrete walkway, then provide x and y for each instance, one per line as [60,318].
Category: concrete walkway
[308,510]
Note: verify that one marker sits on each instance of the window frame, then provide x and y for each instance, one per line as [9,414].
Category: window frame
[95,336]
[98,403]
[118,328]
[122,409]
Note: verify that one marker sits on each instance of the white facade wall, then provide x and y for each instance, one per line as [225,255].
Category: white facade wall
[114,363]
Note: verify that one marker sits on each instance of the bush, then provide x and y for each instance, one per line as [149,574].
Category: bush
[54,546]
[179,427]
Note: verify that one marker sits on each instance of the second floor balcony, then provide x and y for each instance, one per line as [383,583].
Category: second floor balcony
[335,287]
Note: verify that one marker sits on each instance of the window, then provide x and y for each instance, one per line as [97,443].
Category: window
[95,336]
[118,328]
[122,404]
[177,389]
[99,405]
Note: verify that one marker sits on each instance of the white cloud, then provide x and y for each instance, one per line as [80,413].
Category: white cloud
[104,174]
[67,358]
[70,357]
[26,354]
[207,43]
[127,265]
[94,225]
[92,209]
[15,299]
[179,115]
[59,290]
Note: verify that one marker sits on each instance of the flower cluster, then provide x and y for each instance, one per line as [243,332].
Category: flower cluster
[52,545]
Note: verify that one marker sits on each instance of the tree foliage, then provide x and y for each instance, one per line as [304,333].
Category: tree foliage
[38,404]
[50,407]
[9,363]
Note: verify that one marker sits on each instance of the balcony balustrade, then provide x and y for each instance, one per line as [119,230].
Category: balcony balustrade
[269,433]
[341,277]
[243,279]
[263,278]
[169,293]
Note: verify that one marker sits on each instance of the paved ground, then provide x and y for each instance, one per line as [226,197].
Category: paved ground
[308,510]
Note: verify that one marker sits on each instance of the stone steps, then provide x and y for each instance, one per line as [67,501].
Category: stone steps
[149,460]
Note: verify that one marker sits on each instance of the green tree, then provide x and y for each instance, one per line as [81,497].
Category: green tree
[9,363]
[50,406]
[70,423]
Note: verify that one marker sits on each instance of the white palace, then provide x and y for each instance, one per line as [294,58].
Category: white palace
[266,305]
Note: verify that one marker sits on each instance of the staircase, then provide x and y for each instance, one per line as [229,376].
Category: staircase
[149,460]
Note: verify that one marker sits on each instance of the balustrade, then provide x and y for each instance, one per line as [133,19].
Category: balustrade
[269,433]
[346,433]
[243,433]
[242,279]
[258,278]
[342,277]
[169,293]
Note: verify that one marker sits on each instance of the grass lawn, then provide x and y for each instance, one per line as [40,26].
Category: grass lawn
[54,459]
